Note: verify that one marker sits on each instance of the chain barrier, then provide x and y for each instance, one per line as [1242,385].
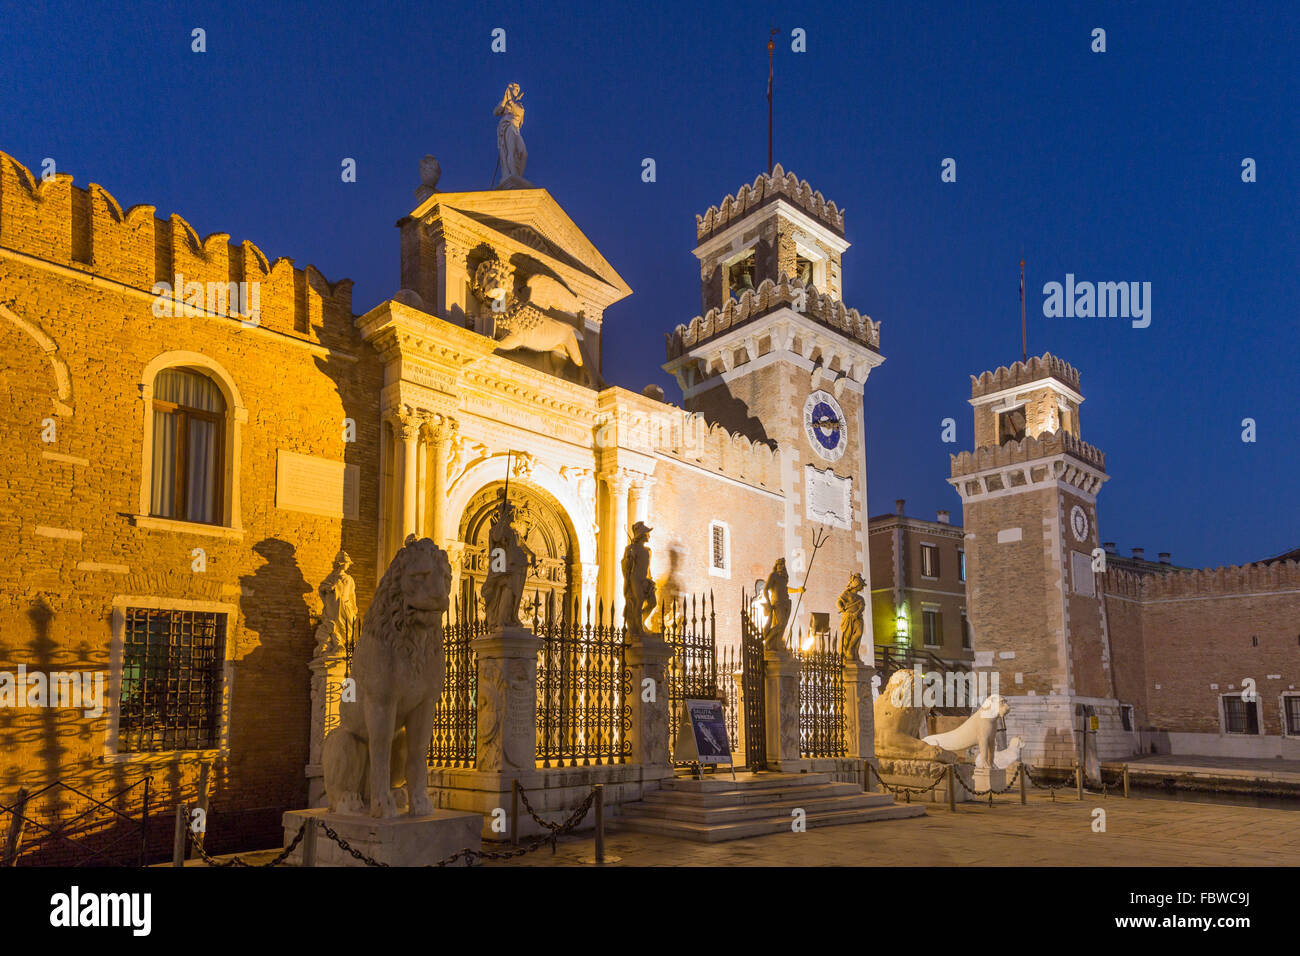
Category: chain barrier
[989,792]
[901,788]
[1045,786]
[238,861]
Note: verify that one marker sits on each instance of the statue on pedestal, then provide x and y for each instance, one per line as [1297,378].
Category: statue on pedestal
[851,605]
[399,665]
[339,620]
[776,592]
[638,588]
[508,564]
[510,142]
[430,173]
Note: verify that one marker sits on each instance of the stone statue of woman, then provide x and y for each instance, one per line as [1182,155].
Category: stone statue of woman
[510,142]
[508,564]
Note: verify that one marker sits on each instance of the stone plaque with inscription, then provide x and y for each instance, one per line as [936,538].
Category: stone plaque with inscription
[828,498]
[318,486]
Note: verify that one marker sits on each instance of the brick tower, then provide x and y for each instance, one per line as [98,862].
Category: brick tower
[1029,501]
[777,357]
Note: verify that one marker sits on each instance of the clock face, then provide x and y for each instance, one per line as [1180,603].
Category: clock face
[823,422]
[1079,523]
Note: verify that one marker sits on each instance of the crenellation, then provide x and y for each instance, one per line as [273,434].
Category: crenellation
[86,229]
[766,188]
[1023,373]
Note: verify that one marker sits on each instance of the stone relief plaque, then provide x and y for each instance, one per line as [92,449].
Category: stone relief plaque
[316,486]
[828,498]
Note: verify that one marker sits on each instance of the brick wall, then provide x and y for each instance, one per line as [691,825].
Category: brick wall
[76,276]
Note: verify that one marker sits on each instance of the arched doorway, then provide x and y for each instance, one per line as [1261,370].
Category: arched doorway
[543,527]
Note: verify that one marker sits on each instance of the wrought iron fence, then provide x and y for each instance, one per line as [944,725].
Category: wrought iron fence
[584,689]
[455,719]
[754,671]
[821,696]
[692,672]
[59,824]
[728,690]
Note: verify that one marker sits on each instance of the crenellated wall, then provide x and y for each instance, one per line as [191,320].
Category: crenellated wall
[767,187]
[86,229]
[1183,639]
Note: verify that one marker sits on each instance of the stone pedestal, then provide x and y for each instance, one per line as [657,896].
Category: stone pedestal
[507,700]
[397,841]
[326,680]
[782,706]
[986,778]
[910,772]
[650,718]
[859,711]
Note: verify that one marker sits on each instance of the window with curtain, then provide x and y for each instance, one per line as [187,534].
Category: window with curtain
[189,420]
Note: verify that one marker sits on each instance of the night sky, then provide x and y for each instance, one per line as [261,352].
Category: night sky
[1121,166]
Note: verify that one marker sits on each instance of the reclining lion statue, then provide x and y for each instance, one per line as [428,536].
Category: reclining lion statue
[399,667]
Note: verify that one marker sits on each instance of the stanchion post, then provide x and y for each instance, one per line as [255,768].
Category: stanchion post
[952,789]
[514,813]
[309,844]
[1078,779]
[600,823]
[1024,794]
[1126,781]
[15,828]
[178,837]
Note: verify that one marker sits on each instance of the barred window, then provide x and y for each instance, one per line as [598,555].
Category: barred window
[189,417]
[719,550]
[1240,716]
[961,565]
[171,680]
[932,626]
[929,561]
[1292,703]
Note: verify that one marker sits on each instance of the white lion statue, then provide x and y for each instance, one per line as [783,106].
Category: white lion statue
[399,667]
[980,730]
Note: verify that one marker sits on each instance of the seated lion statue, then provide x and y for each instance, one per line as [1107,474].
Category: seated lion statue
[899,722]
[980,730]
[399,667]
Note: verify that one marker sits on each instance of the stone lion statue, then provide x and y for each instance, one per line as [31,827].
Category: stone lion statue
[899,721]
[980,730]
[399,667]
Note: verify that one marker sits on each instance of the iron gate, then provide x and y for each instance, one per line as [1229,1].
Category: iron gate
[754,671]
[693,670]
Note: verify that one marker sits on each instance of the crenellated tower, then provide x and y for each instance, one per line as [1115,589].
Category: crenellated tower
[1033,559]
[777,357]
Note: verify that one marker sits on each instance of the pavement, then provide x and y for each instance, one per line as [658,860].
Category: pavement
[1244,768]
[1138,832]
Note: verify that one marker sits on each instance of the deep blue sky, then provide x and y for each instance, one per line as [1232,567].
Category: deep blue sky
[1115,166]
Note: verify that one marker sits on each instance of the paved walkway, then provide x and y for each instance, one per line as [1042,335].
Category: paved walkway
[1246,768]
[1139,832]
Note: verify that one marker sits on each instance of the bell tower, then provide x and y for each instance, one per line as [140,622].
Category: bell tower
[778,358]
[1033,561]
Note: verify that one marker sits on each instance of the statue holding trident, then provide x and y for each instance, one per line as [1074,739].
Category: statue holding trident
[339,621]
[512,155]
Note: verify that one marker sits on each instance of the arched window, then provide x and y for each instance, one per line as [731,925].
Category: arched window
[189,423]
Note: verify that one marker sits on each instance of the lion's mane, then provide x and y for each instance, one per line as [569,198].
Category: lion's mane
[389,622]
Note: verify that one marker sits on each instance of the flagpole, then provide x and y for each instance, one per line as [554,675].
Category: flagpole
[1024,337]
[771,47]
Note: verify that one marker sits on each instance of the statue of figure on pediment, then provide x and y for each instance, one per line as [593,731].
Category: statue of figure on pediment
[430,173]
[512,153]
[638,587]
[852,606]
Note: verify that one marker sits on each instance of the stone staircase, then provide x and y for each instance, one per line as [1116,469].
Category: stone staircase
[717,808]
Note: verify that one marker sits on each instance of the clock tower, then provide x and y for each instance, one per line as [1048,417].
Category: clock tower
[1034,559]
[777,357]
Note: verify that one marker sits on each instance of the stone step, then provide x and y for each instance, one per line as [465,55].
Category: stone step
[732,798]
[744,781]
[762,826]
[817,805]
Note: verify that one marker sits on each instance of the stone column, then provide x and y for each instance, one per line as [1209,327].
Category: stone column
[859,712]
[440,435]
[422,479]
[507,700]
[782,706]
[613,527]
[326,680]
[739,752]
[648,660]
[409,431]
